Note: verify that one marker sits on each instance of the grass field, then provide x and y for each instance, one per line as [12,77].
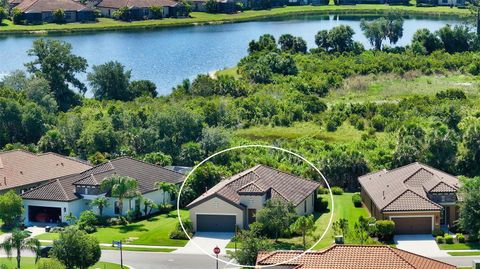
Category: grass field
[153,232]
[460,246]
[206,18]
[464,253]
[343,209]
[29,263]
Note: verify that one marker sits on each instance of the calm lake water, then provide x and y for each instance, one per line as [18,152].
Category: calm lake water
[167,56]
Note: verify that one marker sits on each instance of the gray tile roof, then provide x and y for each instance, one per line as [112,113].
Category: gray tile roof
[261,179]
[405,188]
[35,6]
[63,189]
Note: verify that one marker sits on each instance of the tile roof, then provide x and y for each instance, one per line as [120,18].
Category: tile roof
[136,3]
[350,256]
[34,6]
[63,189]
[20,168]
[406,188]
[261,179]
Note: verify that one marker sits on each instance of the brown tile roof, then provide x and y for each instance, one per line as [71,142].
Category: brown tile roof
[33,6]
[63,189]
[136,3]
[349,256]
[261,179]
[406,188]
[20,168]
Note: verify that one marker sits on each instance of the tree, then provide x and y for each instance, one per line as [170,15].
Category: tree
[214,139]
[167,189]
[87,221]
[252,243]
[50,264]
[38,90]
[441,147]
[362,229]
[338,39]
[205,177]
[456,39]
[276,217]
[158,158]
[156,12]
[289,43]
[11,208]
[427,40]
[469,213]
[470,157]
[16,80]
[474,7]
[410,146]
[110,81]
[266,42]
[304,225]
[53,141]
[340,227]
[211,6]
[55,62]
[20,241]
[148,206]
[3,15]
[121,187]
[143,88]
[59,16]
[380,29]
[343,166]
[73,242]
[100,203]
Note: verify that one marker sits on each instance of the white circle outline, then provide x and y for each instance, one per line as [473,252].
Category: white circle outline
[255,146]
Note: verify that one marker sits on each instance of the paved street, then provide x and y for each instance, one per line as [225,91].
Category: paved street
[206,241]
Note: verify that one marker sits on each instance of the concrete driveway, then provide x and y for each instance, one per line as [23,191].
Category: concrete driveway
[422,244]
[206,241]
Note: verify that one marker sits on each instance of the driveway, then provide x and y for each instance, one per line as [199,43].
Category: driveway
[206,241]
[422,244]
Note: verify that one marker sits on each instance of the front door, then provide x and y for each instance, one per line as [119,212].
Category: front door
[252,215]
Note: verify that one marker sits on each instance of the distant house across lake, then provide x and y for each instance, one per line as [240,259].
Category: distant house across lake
[40,11]
[142,9]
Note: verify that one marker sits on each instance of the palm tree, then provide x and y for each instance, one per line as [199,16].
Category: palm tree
[20,240]
[100,203]
[165,187]
[120,187]
[149,205]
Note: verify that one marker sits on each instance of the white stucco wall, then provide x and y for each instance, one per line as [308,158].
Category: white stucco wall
[156,196]
[310,203]
[253,201]
[76,207]
[216,206]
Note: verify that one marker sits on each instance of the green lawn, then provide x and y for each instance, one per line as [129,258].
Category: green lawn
[29,263]
[205,18]
[343,209]
[460,246]
[154,232]
[464,253]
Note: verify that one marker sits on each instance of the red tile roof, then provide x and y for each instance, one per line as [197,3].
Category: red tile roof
[21,168]
[351,257]
[31,6]
[136,3]
[261,179]
[405,188]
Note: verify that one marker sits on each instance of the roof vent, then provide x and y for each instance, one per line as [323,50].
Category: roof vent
[21,172]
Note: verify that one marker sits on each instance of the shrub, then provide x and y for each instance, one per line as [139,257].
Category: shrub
[156,12]
[322,190]
[448,239]
[438,232]
[460,238]
[452,94]
[357,200]
[50,264]
[117,221]
[337,191]
[165,208]
[59,16]
[178,233]
[17,16]
[57,229]
[385,229]
[321,204]
[440,239]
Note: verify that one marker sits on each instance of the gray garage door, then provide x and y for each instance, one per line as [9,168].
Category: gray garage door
[216,223]
[418,225]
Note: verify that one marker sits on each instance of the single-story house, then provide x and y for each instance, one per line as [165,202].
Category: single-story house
[198,5]
[350,256]
[417,197]
[22,170]
[60,197]
[40,11]
[140,9]
[457,3]
[235,201]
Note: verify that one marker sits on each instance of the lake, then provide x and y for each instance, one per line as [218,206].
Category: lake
[167,56]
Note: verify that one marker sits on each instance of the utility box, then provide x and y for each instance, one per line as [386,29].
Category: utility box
[476,264]
[339,240]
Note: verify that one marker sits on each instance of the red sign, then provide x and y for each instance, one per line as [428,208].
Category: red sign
[216,250]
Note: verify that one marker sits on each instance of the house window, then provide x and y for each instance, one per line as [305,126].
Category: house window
[305,206]
[116,207]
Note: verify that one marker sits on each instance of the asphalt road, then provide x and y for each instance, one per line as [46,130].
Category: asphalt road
[460,261]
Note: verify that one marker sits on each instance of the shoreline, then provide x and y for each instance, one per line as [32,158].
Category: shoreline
[201,18]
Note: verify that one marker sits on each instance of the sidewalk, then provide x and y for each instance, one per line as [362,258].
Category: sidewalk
[126,245]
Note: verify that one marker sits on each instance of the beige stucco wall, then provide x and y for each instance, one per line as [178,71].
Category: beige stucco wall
[253,201]
[300,209]
[216,206]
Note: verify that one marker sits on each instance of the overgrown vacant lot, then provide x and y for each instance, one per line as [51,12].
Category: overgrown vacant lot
[29,263]
[154,231]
